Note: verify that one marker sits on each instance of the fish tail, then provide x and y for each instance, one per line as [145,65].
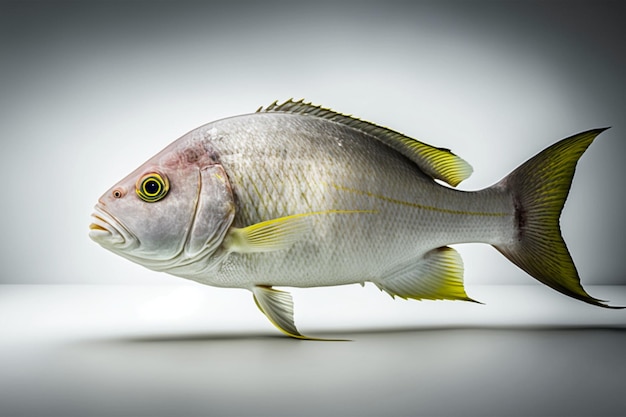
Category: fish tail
[539,188]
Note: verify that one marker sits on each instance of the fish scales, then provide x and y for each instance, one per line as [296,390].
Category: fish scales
[281,164]
[297,195]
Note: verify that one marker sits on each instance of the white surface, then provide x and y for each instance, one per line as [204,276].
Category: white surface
[181,350]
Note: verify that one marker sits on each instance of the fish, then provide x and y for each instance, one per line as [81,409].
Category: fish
[299,195]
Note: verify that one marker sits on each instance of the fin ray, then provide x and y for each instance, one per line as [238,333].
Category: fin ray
[276,234]
[539,188]
[436,276]
[438,163]
[278,307]
[267,236]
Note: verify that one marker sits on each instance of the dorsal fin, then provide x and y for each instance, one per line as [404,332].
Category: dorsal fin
[438,163]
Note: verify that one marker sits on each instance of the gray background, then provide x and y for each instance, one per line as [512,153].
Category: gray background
[91,90]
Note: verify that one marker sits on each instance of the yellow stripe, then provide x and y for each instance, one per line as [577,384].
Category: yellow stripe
[286,222]
[417,205]
[283,219]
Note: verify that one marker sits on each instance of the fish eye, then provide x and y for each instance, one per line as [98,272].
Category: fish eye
[152,187]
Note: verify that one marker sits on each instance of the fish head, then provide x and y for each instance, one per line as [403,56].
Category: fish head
[172,210]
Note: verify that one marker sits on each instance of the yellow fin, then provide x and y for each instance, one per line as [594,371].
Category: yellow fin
[436,276]
[278,308]
[267,236]
[437,163]
[539,188]
[275,234]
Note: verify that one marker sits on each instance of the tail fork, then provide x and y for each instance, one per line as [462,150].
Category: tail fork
[539,188]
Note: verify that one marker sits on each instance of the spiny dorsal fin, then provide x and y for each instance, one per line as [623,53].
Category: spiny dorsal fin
[438,163]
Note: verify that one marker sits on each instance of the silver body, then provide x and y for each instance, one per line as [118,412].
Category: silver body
[282,164]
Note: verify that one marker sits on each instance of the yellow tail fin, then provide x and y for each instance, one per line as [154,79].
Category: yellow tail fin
[540,187]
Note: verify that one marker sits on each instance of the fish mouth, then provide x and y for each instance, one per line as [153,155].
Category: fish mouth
[106,230]
[94,226]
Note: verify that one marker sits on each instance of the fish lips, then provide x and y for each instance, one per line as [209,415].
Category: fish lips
[107,231]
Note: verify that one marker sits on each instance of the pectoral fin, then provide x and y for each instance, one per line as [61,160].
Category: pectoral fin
[436,276]
[276,234]
[267,236]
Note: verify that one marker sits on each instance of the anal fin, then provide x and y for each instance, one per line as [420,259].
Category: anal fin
[436,276]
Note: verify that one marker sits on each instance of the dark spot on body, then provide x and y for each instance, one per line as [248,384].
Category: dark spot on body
[191,155]
[201,154]
[521,217]
[210,155]
[213,156]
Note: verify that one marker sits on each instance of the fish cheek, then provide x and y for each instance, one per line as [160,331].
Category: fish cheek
[161,227]
[215,211]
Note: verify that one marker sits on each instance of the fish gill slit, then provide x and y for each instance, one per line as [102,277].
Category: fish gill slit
[194,219]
